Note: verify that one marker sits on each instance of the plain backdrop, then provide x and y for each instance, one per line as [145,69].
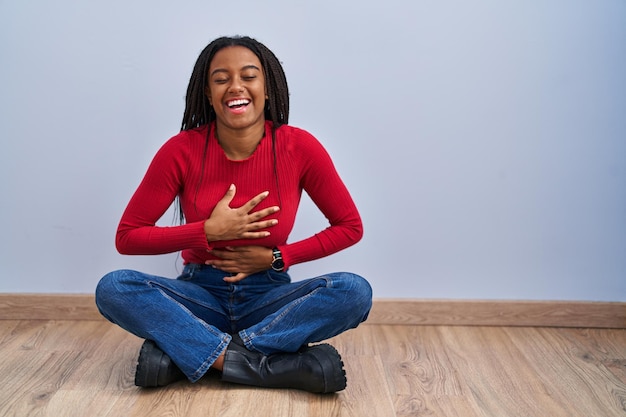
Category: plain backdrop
[484,141]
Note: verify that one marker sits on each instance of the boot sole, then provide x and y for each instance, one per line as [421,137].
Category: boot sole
[332,367]
[155,368]
[147,372]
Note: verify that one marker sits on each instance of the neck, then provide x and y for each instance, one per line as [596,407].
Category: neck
[239,144]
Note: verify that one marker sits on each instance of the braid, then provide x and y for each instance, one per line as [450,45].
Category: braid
[199,112]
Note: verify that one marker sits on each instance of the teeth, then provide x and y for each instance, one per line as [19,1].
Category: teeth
[241,102]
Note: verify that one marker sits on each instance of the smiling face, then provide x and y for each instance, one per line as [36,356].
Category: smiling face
[236,89]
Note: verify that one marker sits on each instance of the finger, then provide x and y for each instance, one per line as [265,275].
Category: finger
[258,215]
[254,201]
[222,266]
[215,252]
[236,278]
[230,194]
[222,254]
[257,226]
[235,251]
[255,235]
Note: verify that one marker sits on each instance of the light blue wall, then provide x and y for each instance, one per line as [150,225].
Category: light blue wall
[484,141]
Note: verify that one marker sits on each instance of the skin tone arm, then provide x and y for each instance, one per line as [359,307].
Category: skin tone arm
[226,223]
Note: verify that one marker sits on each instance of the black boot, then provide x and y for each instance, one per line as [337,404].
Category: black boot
[315,368]
[155,368]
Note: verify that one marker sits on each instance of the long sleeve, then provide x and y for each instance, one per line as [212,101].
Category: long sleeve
[193,166]
[323,184]
[137,232]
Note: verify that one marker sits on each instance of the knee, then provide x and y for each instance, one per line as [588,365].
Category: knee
[358,292]
[108,285]
[360,286]
[109,290]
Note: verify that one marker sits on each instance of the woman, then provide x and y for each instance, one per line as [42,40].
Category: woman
[238,171]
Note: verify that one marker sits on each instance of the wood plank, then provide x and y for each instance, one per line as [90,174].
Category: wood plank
[79,368]
[500,313]
[384,311]
[35,380]
[578,369]
[417,371]
[497,375]
[16,306]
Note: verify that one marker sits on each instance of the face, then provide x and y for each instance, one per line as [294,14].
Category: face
[236,88]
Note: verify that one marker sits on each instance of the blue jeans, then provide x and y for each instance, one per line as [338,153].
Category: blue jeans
[192,317]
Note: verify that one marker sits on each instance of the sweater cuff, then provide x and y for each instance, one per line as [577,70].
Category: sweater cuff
[200,239]
[284,252]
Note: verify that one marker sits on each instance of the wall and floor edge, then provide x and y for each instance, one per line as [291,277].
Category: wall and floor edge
[23,306]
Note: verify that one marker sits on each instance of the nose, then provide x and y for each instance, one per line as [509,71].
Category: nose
[236,86]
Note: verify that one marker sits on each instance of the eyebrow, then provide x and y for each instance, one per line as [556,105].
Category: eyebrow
[245,67]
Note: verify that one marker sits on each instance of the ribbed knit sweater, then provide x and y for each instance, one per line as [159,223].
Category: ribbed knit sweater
[176,170]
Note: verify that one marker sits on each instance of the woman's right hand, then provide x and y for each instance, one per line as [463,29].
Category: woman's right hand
[226,223]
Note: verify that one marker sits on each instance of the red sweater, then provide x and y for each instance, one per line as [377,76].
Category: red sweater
[302,164]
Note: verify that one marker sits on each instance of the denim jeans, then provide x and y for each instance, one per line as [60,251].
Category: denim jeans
[192,318]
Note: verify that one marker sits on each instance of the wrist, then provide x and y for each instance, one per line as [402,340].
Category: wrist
[209,231]
[277,264]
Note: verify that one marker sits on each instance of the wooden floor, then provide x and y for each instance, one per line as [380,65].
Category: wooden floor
[86,368]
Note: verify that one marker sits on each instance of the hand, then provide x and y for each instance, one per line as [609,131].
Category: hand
[226,223]
[241,260]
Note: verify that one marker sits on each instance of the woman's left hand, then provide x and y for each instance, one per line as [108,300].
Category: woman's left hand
[241,260]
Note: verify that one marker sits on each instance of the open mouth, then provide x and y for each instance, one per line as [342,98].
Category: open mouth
[237,104]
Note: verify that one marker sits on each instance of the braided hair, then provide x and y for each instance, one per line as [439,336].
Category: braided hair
[199,112]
